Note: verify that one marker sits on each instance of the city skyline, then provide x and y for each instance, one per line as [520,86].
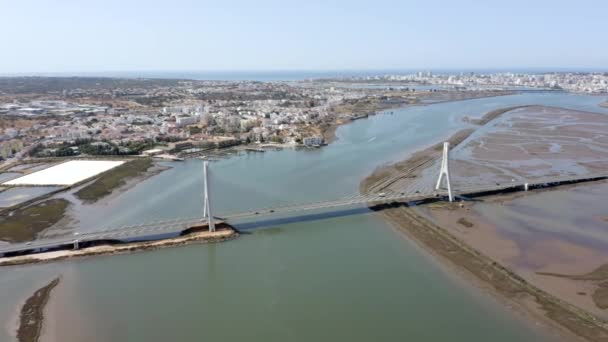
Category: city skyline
[209,36]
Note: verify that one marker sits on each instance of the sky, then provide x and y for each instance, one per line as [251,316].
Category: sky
[45,36]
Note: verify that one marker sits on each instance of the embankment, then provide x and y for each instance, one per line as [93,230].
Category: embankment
[572,321]
[358,108]
[489,116]
[113,179]
[383,178]
[500,280]
[25,223]
[188,237]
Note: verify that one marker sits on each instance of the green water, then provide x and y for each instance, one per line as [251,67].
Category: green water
[348,278]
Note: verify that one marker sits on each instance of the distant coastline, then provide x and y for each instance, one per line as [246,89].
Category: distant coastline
[281,75]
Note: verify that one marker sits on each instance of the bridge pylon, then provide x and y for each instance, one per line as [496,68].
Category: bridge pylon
[207,212]
[444,173]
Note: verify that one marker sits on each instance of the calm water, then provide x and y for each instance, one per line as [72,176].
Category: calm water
[344,278]
[7,176]
[550,215]
[16,195]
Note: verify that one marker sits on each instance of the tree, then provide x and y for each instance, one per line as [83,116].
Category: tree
[195,130]
[208,120]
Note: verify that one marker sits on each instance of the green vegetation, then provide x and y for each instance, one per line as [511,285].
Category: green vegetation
[114,178]
[276,139]
[26,223]
[92,147]
[42,85]
[195,130]
[32,313]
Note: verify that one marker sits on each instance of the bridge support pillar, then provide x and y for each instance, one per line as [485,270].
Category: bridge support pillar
[207,213]
[444,173]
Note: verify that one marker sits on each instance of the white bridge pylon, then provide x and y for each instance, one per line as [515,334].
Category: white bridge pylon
[444,173]
[207,212]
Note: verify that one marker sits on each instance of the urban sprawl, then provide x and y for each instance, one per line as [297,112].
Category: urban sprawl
[57,117]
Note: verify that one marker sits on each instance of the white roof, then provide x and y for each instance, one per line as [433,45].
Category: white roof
[67,173]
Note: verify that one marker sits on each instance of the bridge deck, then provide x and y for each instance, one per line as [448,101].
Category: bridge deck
[174,226]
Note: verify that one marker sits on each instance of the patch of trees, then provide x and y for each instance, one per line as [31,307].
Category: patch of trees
[195,130]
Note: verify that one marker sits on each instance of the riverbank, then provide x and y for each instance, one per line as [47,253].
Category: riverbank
[348,112]
[400,174]
[488,274]
[486,270]
[113,179]
[194,236]
[562,252]
[31,317]
[489,116]
[24,224]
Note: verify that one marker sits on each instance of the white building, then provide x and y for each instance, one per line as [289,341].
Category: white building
[313,141]
[182,121]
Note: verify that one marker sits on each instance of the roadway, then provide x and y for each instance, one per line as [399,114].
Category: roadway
[174,226]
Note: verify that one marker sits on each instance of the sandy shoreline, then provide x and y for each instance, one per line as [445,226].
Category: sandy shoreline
[486,267]
[329,131]
[562,263]
[530,302]
[222,234]
[31,317]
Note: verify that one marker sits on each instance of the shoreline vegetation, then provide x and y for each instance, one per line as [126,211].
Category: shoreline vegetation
[359,109]
[107,182]
[489,116]
[501,280]
[23,224]
[480,268]
[24,221]
[31,317]
[385,176]
[190,236]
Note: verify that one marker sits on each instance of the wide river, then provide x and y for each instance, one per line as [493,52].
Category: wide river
[335,278]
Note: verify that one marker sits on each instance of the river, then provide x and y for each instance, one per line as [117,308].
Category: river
[349,277]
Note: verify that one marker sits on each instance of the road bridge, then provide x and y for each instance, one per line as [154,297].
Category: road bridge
[411,195]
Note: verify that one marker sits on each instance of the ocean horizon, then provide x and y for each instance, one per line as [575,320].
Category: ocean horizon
[282,75]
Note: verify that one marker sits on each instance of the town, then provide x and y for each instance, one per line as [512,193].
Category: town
[65,117]
[593,83]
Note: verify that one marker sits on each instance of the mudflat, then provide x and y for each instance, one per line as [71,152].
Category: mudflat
[554,239]
[556,274]
[532,142]
[32,313]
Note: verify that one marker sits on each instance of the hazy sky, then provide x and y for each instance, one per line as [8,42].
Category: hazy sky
[155,35]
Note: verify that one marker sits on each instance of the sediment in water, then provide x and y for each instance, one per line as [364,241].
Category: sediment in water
[574,322]
[31,317]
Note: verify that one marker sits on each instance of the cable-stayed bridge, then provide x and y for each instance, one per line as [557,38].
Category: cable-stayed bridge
[418,191]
